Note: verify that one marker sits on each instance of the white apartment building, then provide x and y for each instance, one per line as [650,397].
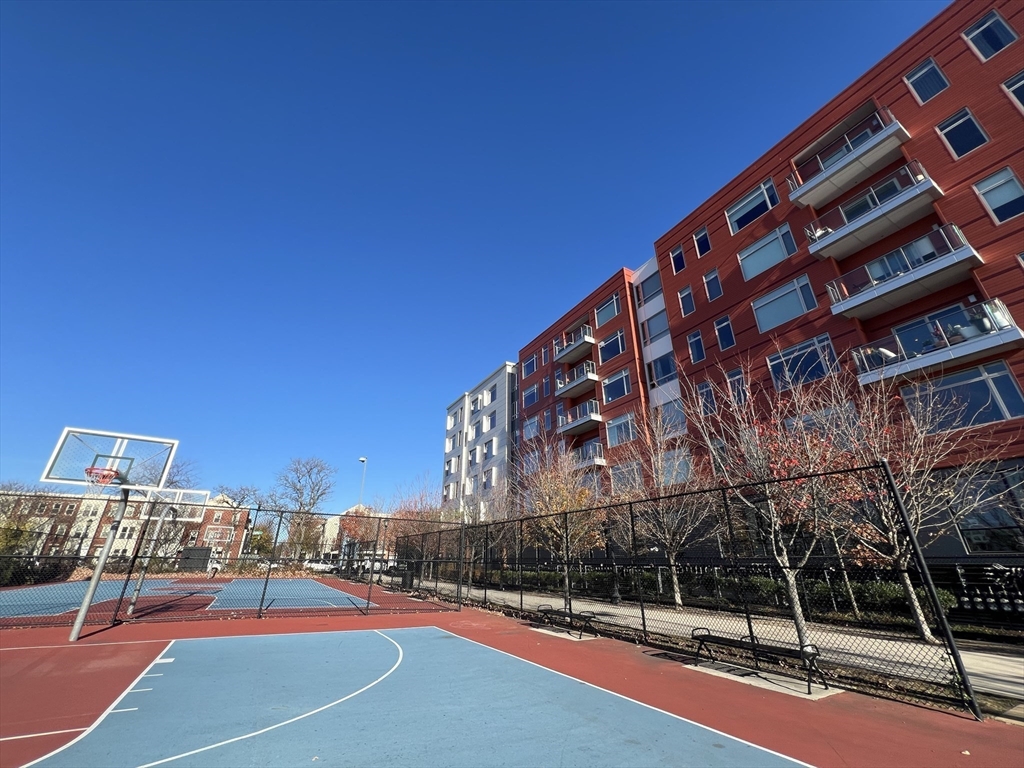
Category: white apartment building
[479,442]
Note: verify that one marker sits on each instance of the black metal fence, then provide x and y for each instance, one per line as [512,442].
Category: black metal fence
[736,565]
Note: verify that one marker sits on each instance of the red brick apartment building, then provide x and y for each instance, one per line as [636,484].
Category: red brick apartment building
[886,232]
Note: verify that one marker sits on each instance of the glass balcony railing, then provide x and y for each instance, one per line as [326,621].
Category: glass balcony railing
[941,330]
[579,413]
[840,148]
[882,191]
[904,259]
[579,372]
[589,453]
[572,339]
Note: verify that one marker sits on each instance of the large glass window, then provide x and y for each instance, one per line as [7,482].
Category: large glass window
[1015,87]
[990,35]
[966,399]
[712,285]
[962,133]
[616,386]
[529,365]
[612,346]
[767,252]
[723,329]
[783,304]
[992,525]
[706,396]
[753,206]
[675,467]
[807,361]
[1003,194]
[696,345]
[608,310]
[661,370]
[686,301]
[654,327]
[620,430]
[648,289]
[529,396]
[737,386]
[678,260]
[626,477]
[927,81]
[672,418]
[531,428]
[702,241]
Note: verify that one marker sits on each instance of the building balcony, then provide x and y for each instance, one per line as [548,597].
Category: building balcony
[580,379]
[959,336]
[888,206]
[937,260]
[861,150]
[583,418]
[589,455]
[574,346]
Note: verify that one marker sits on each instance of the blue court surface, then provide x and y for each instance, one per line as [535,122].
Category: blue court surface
[237,594]
[403,697]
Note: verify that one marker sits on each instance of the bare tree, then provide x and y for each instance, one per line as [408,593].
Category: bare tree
[302,487]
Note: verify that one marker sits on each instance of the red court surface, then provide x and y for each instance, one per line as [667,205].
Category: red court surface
[48,685]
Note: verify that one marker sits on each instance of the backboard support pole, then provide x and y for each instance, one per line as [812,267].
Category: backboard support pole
[97,574]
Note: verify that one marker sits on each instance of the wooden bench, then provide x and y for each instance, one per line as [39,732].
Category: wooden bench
[807,655]
[584,619]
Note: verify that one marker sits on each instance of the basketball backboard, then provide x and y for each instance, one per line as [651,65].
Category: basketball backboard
[188,506]
[93,458]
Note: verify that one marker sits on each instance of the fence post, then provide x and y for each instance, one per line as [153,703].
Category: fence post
[933,595]
[732,558]
[131,569]
[632,563]
[373,560]
[566,581]
[437,566]
[519,564]
[462,562]
[487,546]
[270,560]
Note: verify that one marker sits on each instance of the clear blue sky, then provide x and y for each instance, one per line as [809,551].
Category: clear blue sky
[291,230]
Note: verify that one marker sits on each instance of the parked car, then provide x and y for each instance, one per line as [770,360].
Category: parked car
[320,566]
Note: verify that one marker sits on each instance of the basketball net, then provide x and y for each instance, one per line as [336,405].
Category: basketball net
[100,479]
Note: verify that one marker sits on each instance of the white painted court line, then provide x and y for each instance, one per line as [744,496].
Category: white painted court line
[164,661]
[627,698]
[44,733]
[158,674]
[139,690]
[81,645]
[109,710]
[387,674]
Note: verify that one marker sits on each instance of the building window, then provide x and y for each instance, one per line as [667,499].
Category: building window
[712,285]
[217,517]
[671,418]
[807,361]
[544,355]
[529,396]
[702,241]
[783,304]
[753,206]
[696,345]
[475,431]
[608,310]
[965,399]
[531,428]
[654,327]
[1003,195]
[661,370]
[962,133]
[616,386]
[686,301]
[675,467]
[491,420]
[620,430]
[927,81]
[678,260]
[547,386]
[547,420]
[626,477]
[767,252]
[989,36]
[706,396]
[492,393]
[471,461]
[1015,87]
[648,289]
[612,346]
[737,386]
[529,366]
[723,329]
[991,525]
[489,449]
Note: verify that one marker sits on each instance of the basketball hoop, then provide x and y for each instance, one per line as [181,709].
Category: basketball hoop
[99,478]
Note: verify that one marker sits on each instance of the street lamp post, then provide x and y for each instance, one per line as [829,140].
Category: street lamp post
[362,484]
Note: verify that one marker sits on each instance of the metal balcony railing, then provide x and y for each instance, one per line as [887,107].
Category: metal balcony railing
[901,261]
[579,413]
[572,339]
[908,176]
[577,373]
[589,453]
[928,335]
[840,148]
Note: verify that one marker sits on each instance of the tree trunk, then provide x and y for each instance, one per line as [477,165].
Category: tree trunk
[794,605]
[846,577]
[920,621]
[565,586]
[677,595]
